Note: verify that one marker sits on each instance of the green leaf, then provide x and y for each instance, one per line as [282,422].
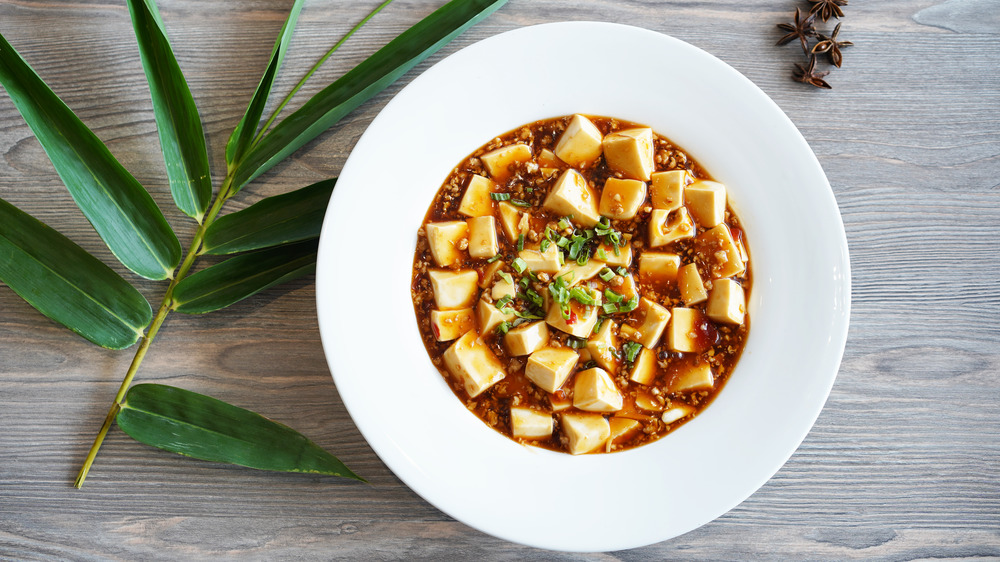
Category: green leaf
[244,132]
[67,284]
[182,138]
[195,425]
[118,207]
[290,217]
[364,81]
[242,276]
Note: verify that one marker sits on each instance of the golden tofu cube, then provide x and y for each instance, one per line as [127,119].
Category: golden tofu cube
[627,289]
[489,317]
[727,303]
[654,321]
[549,367]
[623,430]
[594,391]
[547,261]
[630,152]
[454,289]
[667,190]
[500,162]
[574,273]
[483,237]
[586,432]
[682,332]
[510,220]
[602,345]
[443,239]
[580,143]
[658,267]
[677,412]
[707,202]
[690,284]
[694,378]
[572,196]
[527,338]
[560,403]
[716,248]
[644,369]
[622,259]
[648,402]
[470,360]
[503,288]
[530,424]
[476,201]
[450,324]
[668,226]
[548,159]
[621,199]
[581,322]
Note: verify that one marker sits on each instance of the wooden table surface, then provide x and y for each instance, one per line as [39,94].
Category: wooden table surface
[903,462]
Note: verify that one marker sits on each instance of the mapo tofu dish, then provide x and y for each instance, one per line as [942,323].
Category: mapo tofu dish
[581,283]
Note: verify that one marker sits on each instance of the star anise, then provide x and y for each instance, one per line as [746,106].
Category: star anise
[802,29]
[828,8]
[808,74]
[832,46]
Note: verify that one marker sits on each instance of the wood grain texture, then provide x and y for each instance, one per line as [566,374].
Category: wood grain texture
[903,463]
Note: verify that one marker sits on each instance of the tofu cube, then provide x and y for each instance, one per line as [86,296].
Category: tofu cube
[549,367]
[489,317]
[572,196]
[689,282]
[450,324]
[706,200]
[500,162]
[627,289]
[668,226]
[527,338]
[454,289]
[692,379]
[530,424]
[658,267]
[681,334]
[548,159]
[574,273]
[547,261]
[623,430]
[716,248]
[483,237]
[560,403]
[648,402]
[675,413]
[602,345]
[727,303]
[580,143]
[630,152]
[594,391]
[667,190]
[510,220]
[470,360]
[621,199]
[654,319]
[476,201]
[503,288]
[622,259]
[586,432]
[582,319]
[443,239]
[644,369]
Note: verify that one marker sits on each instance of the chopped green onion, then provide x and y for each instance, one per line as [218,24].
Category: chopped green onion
[504,302]
[631,305]
[583,258]
[606,274]
[549,234]
[524,282]
[610,308]
[533,297]
[564,223]
[597,326]
[527,315]
[612,296]
[582,296]
[503,328]
[520,203]
[500,196]
[517,322]
[544,245]
[631,350]
[530,189]
[622,271]
[564,311]
[588,234]
[519,265]
[506,277]
[520,242]
[589,364]
[576,343]
[601,255]
[494,258]
[562,242]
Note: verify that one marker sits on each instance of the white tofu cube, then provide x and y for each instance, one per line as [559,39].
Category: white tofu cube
[693,378]
[668,226]
[503,288]
[581,322]
[690,284]
[572,196]
[580,143]
[667,190]
[454,289]
[450,324]
[500,162]
[717,250]
[488,317]
[682,332]
[476,201]
[559,402]
[472,362]
[727,303]
[594,391]
[621,199]
[443,239]
[644,369]
[623,430]
[549,367]
[547,261]
[575,273]
[648,402]
[483,237]
[707,202]
[677,412]
[530,424]
[548,159]
[630,152]
[602,345]
[622,259]
[527,338]
[654,319]
[658,267]
[586,432]
[510,220]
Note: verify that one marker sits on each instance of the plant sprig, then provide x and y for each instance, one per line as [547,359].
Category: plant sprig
[813,42]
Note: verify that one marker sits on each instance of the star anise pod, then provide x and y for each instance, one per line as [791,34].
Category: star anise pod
[802,29]
[832,46]
[828,8]
[808,74]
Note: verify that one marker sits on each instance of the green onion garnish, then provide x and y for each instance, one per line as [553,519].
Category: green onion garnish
[601,255]
[612,296]
[576,343]
[520,203]
[506,277]
[631,305]
[606,274]
[631,350]
[582,296]
[519,265]
[494,258]
[622,271]
[503,328]
[520,242]
[544,245]
[610,308]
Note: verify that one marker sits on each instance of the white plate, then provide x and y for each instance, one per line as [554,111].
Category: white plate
[799,305]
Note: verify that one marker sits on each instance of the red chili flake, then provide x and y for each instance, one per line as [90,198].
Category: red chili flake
[572,317]
[437,331]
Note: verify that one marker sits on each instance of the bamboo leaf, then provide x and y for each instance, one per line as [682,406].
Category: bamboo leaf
[364,81]
[182,138]
[290,217]
[195,425]
[242,276]
[247,127]
[67,284]
[118,207]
